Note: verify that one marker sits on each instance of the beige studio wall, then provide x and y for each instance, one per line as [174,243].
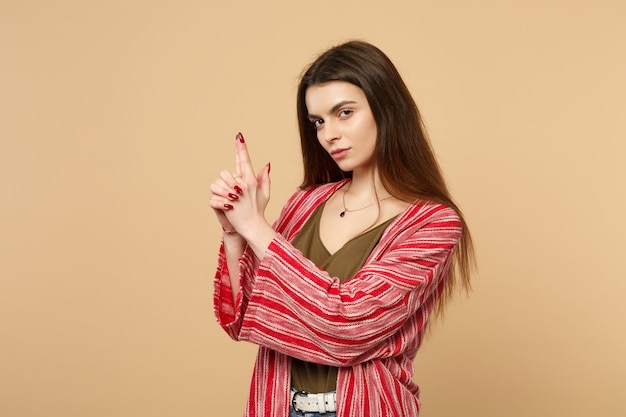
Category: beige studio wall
[115,116]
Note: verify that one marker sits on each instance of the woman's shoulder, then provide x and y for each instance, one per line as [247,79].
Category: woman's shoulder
[422,224]
[423,212]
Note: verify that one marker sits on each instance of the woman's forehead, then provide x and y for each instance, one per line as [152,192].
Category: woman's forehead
[323,97]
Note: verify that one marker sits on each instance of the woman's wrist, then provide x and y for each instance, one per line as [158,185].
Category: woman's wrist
[233,241]
[259,238]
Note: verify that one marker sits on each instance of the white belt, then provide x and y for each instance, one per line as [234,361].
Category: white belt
[313,403]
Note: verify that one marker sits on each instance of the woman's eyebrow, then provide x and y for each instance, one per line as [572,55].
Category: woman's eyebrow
[334,108]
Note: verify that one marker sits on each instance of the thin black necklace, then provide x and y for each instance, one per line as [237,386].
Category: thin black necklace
[345,209]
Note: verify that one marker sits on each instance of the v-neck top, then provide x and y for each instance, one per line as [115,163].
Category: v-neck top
[343,264]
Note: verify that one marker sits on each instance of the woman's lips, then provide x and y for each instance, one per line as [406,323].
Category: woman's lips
[339,153]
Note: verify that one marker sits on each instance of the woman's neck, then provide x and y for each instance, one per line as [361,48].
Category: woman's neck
[366,186]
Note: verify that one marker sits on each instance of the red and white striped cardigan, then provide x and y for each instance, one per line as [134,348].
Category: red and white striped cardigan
[370,326]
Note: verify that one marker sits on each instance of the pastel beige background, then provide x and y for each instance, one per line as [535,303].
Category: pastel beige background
[115,116]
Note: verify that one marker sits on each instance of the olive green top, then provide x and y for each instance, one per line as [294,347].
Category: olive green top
[343,264]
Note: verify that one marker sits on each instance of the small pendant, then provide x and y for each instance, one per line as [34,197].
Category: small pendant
[343,213]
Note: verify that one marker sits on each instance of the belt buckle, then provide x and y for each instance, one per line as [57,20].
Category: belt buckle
[293,401]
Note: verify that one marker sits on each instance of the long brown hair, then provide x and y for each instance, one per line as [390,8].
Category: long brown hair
[403,155]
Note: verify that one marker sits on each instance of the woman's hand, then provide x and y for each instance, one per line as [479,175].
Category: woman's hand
[221,200]
[239,199]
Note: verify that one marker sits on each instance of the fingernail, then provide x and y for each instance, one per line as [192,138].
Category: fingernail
[269,167]
[233,196]
[238,189]
[239,137]
[228,206]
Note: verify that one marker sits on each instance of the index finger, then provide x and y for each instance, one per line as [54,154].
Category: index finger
[243,162]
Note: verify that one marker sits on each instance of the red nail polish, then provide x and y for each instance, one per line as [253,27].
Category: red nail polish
[228,206]
[238,189]
[269,167]
[233,196]
[240,138]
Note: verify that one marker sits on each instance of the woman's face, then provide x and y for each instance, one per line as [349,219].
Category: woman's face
[346,128]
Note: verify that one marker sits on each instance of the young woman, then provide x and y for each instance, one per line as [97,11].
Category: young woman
[338,292]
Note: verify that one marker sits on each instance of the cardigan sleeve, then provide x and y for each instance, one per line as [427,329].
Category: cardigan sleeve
[230,316]
[298,309]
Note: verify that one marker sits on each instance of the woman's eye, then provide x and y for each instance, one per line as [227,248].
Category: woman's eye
[345,113]
[317,123]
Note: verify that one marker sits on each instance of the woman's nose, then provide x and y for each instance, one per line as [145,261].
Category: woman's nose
[329,132]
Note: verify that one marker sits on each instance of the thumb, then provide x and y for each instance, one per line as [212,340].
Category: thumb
[263,180]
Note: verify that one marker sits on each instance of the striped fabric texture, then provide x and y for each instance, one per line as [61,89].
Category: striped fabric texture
[370,326]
